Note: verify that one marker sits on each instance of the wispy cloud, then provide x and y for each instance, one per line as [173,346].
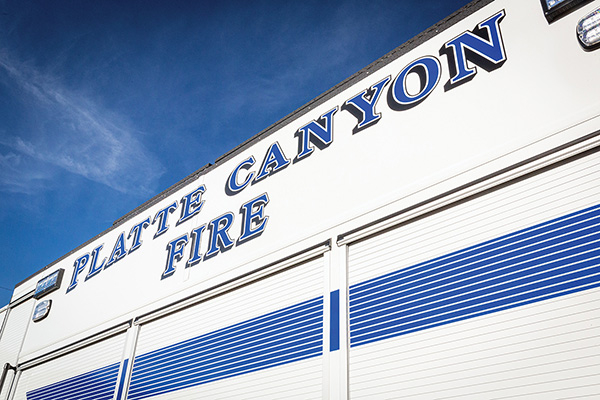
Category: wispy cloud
[74,133]
[12,175]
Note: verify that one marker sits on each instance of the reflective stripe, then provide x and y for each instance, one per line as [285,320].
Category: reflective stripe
[95,385]
[291,334]
[551,259]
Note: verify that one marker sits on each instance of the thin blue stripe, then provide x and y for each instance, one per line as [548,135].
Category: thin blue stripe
[77,379]
[334,320]
[550,259]
[417,311]
[499,244]
[233,330]
[240,354]
[450,272]
[80,384]
[211,342]
[501,305]
[401,324]
[91,390]
[510,294]
[122,380]
[492,281]
[185,361]
[99,384]
[453,259]
[240,359]
[288,358]
[283,336]
[442,266]
[198,372]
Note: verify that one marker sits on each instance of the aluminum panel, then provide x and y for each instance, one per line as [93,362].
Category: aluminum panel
[266,337]
[14,330]
[534,243]
[8,380]
[88,373]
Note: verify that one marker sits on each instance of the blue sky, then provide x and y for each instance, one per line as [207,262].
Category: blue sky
[104,104]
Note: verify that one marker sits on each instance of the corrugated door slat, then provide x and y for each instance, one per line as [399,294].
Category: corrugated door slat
[88,373]
[8,380]
[12,337]
[260,340]
[494,297]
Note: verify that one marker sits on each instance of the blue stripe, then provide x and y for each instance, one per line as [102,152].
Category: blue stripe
[225,335]
[551,259]
[493,279]
[257,328]
[94,385]
[334,321]
[122,380]
[491,248]
[287,335]
[210,359]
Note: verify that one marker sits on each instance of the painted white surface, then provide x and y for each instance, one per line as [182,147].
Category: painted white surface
[544,95]
[84,360]
[15,327]
[543,349]
[300,379]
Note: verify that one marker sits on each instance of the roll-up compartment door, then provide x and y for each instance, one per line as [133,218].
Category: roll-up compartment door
[3,313]
[261,340]
[9,375]
[497,296]
[88,373]
[13,333]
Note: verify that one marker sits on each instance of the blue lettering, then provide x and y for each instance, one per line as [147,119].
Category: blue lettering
[428,69]
[136,231]
[191,204]
[274,161]
[162,216]
[362,106]
[481,50]
[119,251]
[95,269]
[232,183]
[78,267]
[196,256]
[219,238]
[175,249]
[316,132]
[254,220]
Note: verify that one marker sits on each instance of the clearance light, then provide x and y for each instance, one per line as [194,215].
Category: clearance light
[588,30]
[553,3]
[554,9]
[48,284]
[42,309]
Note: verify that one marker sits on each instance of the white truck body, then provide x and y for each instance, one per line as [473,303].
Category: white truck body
[429,228]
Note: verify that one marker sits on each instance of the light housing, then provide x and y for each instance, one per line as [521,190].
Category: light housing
[48,284]
[42,309]
[554,9]
[588,30]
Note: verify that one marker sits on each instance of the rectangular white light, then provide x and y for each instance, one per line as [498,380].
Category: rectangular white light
[553,3]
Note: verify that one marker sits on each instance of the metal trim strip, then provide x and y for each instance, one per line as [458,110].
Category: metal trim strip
[120,328]
[580,147]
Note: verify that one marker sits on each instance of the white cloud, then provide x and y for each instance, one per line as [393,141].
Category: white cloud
[14,179]
[72,132]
